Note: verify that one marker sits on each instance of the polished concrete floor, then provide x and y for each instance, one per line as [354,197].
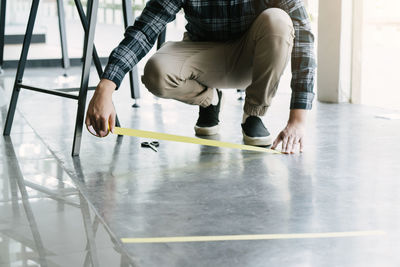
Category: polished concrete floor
[56,210]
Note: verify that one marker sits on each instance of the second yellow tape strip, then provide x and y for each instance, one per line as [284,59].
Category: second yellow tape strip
[181,239]
[190,140]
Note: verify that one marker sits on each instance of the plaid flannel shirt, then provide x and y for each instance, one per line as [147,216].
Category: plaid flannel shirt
[218,20]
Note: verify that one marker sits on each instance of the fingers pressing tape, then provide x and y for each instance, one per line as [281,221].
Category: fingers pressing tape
[190,140]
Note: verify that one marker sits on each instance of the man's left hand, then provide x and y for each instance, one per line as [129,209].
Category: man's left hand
[292,137]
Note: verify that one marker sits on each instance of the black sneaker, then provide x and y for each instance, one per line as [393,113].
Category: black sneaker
[255,133]
[208,121]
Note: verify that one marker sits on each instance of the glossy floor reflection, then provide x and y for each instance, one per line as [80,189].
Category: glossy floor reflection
[51,204]
[45,221]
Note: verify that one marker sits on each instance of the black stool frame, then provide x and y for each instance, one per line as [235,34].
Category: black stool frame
[89,23]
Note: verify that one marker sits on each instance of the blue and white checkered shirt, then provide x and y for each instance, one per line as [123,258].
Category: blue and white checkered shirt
[218,20]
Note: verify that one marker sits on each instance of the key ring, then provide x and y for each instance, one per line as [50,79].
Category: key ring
[93,132]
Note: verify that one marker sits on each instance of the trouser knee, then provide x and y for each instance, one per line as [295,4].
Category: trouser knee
[155,77]
[274,21]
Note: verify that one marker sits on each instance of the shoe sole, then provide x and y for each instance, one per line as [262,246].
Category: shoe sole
[257,141]
[207,131]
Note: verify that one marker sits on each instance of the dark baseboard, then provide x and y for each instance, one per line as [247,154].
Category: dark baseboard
[37,38]
[47,63]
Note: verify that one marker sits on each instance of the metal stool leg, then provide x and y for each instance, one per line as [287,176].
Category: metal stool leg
[88,52]
[96,57]
[21,67]
[2,33]
[84,23]
[133,75]
[63,35]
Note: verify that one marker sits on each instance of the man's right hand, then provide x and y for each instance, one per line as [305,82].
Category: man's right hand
[101,112]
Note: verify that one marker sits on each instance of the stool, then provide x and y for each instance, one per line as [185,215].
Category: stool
[89,23]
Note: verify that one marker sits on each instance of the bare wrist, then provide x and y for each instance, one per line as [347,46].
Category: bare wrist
[106,87]
[298,116]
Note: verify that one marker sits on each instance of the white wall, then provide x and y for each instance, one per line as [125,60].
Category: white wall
[334,50]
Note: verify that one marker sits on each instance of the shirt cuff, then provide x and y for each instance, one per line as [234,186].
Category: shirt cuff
[301,100]
[114,73]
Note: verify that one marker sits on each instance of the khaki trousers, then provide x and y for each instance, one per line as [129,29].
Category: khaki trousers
[187,71]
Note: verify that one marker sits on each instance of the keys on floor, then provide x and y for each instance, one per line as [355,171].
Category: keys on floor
[153,145]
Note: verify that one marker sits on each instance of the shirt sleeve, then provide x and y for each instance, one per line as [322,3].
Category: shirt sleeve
[140,38]
[303,55]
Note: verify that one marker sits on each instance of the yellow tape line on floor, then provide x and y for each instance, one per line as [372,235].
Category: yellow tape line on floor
[249,237]
[191,140]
